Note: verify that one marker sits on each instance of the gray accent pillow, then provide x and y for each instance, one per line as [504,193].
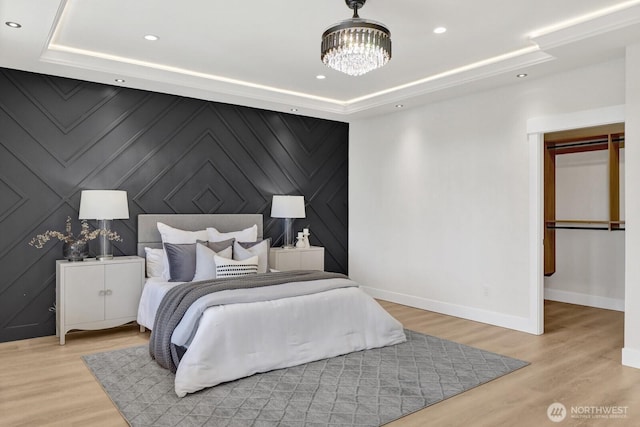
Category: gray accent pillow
[182,261]
[244,250]
[182,258]
[218,246]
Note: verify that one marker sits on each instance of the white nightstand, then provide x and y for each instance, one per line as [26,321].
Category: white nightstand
[94,294]
[297,259]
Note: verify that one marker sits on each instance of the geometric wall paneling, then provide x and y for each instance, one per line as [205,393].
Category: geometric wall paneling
[171,154]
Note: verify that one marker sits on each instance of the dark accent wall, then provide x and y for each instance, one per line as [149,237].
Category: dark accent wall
[172,154]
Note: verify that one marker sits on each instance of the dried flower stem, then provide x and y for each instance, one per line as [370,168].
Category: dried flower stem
[85,235]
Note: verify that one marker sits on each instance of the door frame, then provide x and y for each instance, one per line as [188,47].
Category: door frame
[536,128]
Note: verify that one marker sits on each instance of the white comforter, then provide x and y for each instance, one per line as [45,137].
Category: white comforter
[242,337]
[155,288]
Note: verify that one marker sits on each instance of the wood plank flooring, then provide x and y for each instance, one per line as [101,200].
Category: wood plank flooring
[576,362]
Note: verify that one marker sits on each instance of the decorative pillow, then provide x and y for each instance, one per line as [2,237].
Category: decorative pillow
[205,260]
[244,250]
[175,235]
[182,261]
[155,266]
[218,246]
[247,235]
[226,267]
[183,258]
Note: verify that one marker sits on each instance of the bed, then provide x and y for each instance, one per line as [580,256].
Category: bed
[234,333]
[149,237]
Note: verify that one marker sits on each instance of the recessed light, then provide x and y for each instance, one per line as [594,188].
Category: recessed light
[399,105]
[13,24]
[120,80]
[321,77]
[151,37]
[293,110]
[439,30]
[521,75]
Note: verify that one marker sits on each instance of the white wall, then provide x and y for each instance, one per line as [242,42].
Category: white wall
[438,195]
[589,264]
[631,351]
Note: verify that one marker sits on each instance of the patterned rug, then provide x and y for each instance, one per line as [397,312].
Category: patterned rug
[365,388]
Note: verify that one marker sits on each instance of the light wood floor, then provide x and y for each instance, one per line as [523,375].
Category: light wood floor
[576,362]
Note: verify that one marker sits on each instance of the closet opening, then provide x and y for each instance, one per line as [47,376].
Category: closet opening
[584,216]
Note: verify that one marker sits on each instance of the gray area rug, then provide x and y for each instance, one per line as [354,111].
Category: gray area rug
[365,388]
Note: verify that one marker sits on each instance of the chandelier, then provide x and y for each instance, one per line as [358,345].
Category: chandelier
[356,46]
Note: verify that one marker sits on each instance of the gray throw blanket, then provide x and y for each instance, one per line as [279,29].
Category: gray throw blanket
[177,301]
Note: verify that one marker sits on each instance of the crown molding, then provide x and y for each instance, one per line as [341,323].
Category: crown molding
[587,27]
[91,65]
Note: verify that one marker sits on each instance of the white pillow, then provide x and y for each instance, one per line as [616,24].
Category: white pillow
[226,267]
[177,236]
[155,267]
[206,263]
[247,235]
[169,234]
[242,251]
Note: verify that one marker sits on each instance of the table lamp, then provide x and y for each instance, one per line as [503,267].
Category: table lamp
[104,205]
[288,207]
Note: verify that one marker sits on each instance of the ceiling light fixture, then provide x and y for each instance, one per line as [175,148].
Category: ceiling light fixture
[356,46]
[119,80]
[151,37]
[521,75]
[321,77]
[440,30]
[399,105]
[13,24]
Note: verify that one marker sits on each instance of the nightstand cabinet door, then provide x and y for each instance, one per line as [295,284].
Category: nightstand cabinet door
[123,290]
[312,260]
[297,259]
[287,262]
[83,301]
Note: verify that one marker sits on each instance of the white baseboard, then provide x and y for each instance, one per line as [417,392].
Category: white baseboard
[584,299]
[631,357]
[523,324]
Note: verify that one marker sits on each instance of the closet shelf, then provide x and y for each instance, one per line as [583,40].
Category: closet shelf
[584,224]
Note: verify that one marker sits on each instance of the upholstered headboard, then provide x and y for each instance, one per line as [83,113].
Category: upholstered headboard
[149,236]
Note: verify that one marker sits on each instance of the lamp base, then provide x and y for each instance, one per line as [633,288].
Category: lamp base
[288,234]
[105,249]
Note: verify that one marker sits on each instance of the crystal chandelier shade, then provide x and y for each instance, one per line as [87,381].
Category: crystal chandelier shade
[356,46]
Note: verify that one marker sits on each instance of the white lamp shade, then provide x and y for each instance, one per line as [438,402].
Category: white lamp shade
[287,207]
[103,204]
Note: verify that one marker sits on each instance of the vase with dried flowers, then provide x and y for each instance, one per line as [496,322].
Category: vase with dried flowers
[74,248]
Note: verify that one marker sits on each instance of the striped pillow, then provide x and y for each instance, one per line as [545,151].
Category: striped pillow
[226,267]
